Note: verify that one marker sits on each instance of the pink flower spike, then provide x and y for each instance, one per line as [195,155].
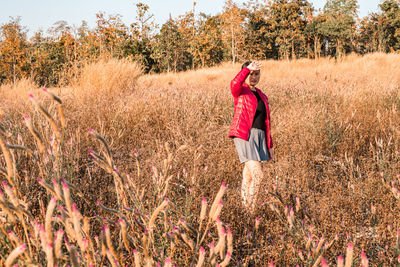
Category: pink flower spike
[204,200]
[271,263]
[166,199]
[91,131]
[202,250]
[44,89]
[31,96]
[168,260]
[26,117]
[257,219]
[60,207]
[363,254]
[323,263]
[98,202]
[223,184]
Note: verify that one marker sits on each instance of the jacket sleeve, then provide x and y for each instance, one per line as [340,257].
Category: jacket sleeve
[237,82]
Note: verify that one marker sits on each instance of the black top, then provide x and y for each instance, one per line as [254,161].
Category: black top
[261,111]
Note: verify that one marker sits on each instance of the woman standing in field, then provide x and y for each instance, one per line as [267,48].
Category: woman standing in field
[251,130]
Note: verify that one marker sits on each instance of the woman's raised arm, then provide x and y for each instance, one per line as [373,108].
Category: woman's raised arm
[237,82]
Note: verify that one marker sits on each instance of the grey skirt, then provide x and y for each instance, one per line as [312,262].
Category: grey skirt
[253,149]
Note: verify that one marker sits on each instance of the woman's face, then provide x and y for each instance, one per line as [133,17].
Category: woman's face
[254,77]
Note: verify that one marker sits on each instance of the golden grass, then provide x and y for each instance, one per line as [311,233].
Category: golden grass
[335,125]
[108,76]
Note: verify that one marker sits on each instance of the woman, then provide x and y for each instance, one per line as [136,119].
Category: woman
[251,130]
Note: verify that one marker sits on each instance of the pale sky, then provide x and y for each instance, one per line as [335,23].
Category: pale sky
[42,14]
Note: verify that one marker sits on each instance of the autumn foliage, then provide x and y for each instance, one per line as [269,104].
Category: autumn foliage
[279,29]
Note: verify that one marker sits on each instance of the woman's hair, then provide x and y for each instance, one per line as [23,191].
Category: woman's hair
[246,64]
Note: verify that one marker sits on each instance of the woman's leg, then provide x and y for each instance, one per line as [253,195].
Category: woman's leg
[257,176]
[245,185]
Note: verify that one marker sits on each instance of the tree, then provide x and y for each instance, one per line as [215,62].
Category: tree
[144,24]
[44,62]
[141,41]
[314,32]
[390,22]
[258,35]
[340,24]
[170,49]
[111,33]
[207,46]
[371,34]
[232,28]
[13,51]
[289,19]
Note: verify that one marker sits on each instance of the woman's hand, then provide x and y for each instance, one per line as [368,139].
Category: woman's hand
[254,65]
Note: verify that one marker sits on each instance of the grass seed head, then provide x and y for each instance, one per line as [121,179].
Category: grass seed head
[14,255]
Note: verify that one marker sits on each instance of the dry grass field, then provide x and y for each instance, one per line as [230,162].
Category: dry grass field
[140,172]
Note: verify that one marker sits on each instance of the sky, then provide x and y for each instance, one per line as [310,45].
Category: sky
[42,14]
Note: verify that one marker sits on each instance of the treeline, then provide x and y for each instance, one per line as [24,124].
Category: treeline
[277,29]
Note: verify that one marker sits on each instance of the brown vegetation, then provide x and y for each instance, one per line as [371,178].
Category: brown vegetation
[333,182]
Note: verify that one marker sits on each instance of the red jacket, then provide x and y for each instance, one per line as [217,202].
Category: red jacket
[245,108]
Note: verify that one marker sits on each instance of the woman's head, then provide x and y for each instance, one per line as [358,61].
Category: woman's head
[254,76]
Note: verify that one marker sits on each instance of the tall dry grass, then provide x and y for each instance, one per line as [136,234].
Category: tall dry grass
[332,189]
[107,76]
